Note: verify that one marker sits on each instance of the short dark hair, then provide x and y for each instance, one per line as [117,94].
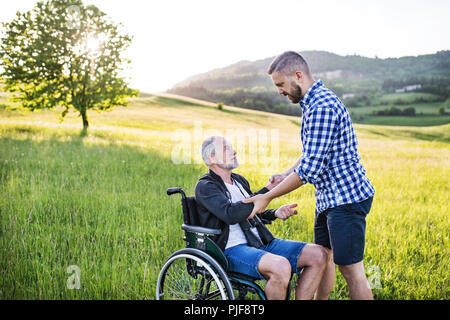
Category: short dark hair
[288,62]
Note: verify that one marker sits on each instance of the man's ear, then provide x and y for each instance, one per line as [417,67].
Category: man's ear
[299,75]
[212,158]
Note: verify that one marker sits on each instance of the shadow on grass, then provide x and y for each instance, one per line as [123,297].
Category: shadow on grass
[174,102]
[296,123]
[102,207]
[83,133]
[171,102]
[399,121]
[437,136]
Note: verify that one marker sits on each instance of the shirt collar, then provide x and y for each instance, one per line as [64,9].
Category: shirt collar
[309,94]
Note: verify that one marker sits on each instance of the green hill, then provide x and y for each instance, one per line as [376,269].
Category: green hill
[321,63]
[360,81]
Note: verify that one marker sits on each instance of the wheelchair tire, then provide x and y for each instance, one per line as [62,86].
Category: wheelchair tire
[192,274]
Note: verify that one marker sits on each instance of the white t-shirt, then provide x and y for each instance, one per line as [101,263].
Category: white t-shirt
[237,236]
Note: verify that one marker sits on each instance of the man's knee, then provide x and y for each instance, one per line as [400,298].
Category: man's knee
[317,256]
[276,268]
[282,271]
[353,271]
[321,256]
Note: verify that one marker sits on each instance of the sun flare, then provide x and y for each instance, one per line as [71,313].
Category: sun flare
[91,45]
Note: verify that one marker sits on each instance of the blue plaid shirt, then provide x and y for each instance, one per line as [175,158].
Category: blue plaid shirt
[330,159]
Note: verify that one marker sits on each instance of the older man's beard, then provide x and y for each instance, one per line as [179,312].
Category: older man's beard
[296,95]
[229,166]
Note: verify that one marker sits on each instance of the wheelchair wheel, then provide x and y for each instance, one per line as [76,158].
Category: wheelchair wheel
[191,274]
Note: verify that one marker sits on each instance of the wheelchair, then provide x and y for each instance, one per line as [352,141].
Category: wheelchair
[200,271]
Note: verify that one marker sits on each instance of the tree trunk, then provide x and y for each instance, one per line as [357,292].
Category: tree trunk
[85,120]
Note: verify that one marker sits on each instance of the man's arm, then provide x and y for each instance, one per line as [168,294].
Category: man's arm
[261,201]
[321,128]
[266,216]
[276,179]
[217,203]
[291,169]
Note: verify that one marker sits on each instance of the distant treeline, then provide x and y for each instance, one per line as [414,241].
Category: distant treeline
[258,98]
[436,85]
[393,111]
[261,98]
[367,100]
[434,89]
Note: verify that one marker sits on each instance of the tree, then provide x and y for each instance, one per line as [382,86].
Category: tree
[62,53]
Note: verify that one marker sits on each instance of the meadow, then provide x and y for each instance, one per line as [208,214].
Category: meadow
[97,200]
[426,106]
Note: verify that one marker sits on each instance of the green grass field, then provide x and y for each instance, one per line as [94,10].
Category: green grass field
[98,201]
[426,107]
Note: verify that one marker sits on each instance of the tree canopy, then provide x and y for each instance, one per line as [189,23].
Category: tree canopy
[63,53]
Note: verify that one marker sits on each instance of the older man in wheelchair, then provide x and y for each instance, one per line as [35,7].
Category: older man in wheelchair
[248,245]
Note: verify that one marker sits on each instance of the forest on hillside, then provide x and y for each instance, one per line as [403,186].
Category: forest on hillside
[358,81]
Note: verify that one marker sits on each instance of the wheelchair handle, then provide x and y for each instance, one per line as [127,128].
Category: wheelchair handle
[172,191]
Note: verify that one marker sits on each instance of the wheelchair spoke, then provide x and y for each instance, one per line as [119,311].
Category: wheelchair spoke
[189,279]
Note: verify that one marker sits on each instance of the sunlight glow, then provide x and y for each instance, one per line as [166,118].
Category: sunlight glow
[175,39]
[92,45]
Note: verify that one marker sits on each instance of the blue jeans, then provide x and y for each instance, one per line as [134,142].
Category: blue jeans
[245,259]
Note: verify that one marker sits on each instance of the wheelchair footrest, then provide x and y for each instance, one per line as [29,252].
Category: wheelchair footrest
[244,283]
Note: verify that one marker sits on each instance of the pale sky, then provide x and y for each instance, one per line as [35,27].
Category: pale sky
[176,39]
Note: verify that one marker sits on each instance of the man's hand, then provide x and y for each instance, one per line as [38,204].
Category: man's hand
[286,211]
[260,203]
[275,180]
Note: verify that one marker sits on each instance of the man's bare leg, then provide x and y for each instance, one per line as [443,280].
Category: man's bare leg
[358,286]
[329,276]
[277,270]
[313,261]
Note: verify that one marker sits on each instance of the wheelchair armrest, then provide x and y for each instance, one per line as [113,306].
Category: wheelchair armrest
[197,229]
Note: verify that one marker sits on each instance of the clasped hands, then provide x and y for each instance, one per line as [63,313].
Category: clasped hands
[261,201]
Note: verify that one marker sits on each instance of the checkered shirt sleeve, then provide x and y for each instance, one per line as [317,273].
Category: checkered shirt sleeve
[320,131]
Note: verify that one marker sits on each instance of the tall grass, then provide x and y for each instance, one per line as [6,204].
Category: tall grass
[98,201]
[100,207]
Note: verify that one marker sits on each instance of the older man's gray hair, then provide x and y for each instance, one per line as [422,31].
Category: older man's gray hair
[208,148]
[288,63]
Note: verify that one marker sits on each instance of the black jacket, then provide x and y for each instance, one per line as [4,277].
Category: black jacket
[216,210]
